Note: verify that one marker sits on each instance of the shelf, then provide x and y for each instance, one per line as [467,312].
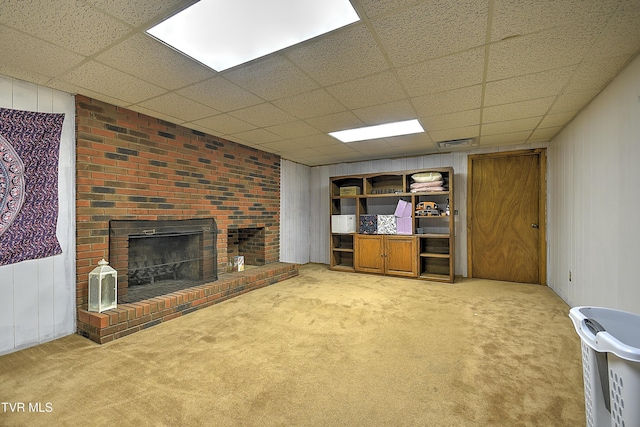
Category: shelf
[434,235]
[434,255]
[342,267]
[428,255]
[435,277]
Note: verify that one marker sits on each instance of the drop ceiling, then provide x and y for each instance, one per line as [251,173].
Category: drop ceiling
[500,72]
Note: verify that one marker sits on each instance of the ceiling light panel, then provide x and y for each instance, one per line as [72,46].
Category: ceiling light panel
[224,33]
[386,130]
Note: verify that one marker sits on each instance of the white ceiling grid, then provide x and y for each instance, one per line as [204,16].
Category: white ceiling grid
[500,71]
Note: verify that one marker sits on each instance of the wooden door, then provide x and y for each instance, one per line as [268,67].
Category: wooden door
[401,255]
[506,229]
[369,253]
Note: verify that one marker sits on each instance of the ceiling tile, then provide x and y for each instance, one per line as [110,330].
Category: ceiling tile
[545,134]
[143,56]
[271,78]
[73,89]
[342,55]
[449,72]
[467,98]
[295,129]
[458,133]
[622,35]
[263,115]
[385,113]
[109,81]
[595,73]
[531,86]
[452,120]
[337,148]
[555,48]
[334,122]
[315,141]
[35,55]
[573,101]
[221,94]
[310,104]
[557,120]
[140,11]
[416,140]
[178,106]
[505,138]
[70,24]
[432,29]
[517,110]
[518,17]
[21,74]
[156,114]
[510,126]
[367,91]
[256,136]
[224,124]
[377,7]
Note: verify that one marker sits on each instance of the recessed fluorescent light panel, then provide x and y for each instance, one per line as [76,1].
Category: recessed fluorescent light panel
[224,33]
[379,131]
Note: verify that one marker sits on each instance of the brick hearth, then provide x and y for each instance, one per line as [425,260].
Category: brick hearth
[130,318]
[130,166]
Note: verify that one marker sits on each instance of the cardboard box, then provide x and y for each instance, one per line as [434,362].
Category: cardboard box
[368,224]
[238,263]
[403,210]
[386,224]
[403,225]
[343,223]
[349,191]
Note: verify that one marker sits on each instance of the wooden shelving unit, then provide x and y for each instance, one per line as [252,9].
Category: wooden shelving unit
[426,252]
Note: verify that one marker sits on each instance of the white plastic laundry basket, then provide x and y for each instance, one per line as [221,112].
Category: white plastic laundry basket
[610,365]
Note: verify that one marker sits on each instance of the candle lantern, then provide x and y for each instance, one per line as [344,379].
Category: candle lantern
[103,284]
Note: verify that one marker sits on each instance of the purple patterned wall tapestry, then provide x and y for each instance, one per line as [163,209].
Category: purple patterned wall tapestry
[29,151]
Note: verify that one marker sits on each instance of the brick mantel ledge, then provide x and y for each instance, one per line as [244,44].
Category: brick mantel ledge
[129,318]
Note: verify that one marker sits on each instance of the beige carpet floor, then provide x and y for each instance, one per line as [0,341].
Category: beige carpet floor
[322,349]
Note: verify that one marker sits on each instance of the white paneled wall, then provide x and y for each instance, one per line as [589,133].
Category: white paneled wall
[37,297]
[594,200]
[319,233]
[294,212]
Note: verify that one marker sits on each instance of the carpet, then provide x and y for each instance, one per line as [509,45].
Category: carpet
[323,349]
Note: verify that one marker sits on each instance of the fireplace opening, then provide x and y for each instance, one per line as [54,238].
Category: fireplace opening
[247,242]
[175,257]
[156,258]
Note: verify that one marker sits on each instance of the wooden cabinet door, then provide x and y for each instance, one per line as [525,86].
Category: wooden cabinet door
[401,255]
[369,253]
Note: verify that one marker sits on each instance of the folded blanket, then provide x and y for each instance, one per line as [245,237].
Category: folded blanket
[426,184]
[427,176]
[427,189]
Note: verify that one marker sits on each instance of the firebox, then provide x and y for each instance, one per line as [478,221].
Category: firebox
[161,256]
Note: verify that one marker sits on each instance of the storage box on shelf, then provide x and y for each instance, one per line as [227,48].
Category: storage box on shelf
[405,223]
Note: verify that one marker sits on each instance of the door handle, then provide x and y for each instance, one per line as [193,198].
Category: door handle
[535,226]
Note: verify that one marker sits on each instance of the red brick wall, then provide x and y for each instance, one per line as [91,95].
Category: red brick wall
[133,166]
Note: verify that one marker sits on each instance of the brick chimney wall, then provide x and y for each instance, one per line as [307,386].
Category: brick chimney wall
[133,166]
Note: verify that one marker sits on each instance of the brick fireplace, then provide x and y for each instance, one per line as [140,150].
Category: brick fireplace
[132,167]
[151,252]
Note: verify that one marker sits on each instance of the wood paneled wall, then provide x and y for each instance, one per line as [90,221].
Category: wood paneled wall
[295,213]
[594,200]
[37,296]
[319,204]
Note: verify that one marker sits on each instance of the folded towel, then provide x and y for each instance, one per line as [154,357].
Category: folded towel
[426,184]
[427,189]
[427,177]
